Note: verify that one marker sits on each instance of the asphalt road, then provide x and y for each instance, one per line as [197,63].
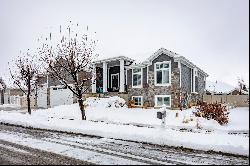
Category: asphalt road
[14,154]
[108,150]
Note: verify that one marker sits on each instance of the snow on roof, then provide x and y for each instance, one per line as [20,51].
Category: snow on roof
[219,87]
[160,51]
[114,59]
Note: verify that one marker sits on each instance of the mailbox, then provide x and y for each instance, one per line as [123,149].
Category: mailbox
[162,115]
[159,115]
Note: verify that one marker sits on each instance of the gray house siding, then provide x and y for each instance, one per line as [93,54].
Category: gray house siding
[201,83]
[196,86]
[144,78]
[185,79]
[129,82]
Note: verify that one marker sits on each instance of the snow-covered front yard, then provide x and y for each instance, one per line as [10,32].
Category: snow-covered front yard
[107,118]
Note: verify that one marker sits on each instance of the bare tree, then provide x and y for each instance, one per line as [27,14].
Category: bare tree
[69,60]
[242,86]
[23,74]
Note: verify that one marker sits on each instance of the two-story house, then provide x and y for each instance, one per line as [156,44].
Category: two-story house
[161,79]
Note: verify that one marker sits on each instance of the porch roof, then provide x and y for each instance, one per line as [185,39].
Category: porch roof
[114,59]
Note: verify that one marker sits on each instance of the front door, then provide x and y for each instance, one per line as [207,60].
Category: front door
[115,82]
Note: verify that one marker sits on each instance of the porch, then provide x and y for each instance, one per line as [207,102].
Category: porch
[110,75]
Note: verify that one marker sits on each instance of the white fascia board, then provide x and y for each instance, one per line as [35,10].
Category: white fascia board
[114,59]
[159,52]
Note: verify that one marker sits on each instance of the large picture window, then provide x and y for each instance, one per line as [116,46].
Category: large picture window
[162,73]
[160,100]
[137,78]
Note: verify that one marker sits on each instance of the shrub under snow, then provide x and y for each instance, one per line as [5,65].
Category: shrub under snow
[110,102]
[214,111]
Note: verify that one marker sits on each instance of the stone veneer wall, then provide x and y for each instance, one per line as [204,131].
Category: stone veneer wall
[150,90]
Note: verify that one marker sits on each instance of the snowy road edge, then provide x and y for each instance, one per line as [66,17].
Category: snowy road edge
[82,134]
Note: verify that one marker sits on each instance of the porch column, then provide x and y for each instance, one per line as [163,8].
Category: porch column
[94,79]
[105,77]
[122,75]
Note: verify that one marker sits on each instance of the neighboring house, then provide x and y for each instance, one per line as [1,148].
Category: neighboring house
[1,94]
[161,79]
[13,96]
[237,91]
[51,93]
[2,89]
[218,88]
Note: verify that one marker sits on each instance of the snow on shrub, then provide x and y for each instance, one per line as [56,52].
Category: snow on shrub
[109,102]
[213,111]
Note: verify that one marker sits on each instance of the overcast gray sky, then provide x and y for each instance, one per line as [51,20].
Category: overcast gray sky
[213,34]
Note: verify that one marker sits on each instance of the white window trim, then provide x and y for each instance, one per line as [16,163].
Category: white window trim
[156,96]
[138,86]
[195,74]
[108,77]
[147,74]
[138,97]
[126,71]
[180,76]
[168,84]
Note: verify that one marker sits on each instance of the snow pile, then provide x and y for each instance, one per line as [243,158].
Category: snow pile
[61,112]
[110,102]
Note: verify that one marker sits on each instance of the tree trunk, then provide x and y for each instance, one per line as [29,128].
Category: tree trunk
[80,102]
[28,103]
[28,97]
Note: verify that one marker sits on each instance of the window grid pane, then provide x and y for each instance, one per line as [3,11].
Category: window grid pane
[165,76]
[159,77]
[138,100]
[136,79]
[162,73]
[137,76]
[159,101]
[167,101]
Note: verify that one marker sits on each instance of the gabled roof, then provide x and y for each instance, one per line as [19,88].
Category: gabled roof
[177,58]
[159,52]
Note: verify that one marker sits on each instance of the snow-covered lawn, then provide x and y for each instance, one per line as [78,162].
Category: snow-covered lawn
[108,110]
[109,118]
